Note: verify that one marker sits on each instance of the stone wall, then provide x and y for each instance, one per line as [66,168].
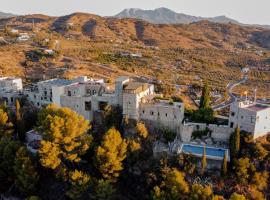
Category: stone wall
[218,132]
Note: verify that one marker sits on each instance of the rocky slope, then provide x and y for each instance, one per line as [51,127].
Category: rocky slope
[176,53]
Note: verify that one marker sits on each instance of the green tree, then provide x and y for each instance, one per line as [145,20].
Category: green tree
[199,192]
[26,176]
[173,187]
[260,152]
[255,194]
[203,115]
[103,190]
[110,154]
[243,170]
[20,126]
[33,198]
[5,125]
[260,180]
[235,143]
[224,166]
[158,194]
[218,197]
[8,149]
[187,162]
[203,162]
[236,196]
[205,98]
[65,136]
[79,184]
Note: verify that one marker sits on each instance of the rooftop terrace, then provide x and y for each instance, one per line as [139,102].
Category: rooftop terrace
[57,82]
[257,107]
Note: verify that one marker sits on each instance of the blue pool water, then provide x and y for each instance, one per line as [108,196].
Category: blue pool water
[199,150]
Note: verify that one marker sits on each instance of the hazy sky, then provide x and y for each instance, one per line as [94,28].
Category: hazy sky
[246,11]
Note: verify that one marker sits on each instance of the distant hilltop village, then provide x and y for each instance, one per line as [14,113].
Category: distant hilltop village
[138,101]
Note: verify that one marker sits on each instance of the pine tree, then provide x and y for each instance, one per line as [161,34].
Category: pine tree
[199,192]
[236,196]
[103,190]
[19,121]
[8,149]
[5,125]
[203,162]
[65,136]
[235,143]
[110,154]
[79,184]
[224,166]
[173,186]
[205,98]
[26,176]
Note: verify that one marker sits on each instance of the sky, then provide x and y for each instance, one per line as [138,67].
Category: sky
[245,11]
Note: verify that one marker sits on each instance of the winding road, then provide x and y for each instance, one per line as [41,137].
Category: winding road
[232,97]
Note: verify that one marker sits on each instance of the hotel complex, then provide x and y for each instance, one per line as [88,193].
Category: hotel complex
[138,101]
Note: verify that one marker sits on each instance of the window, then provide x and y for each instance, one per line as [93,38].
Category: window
[232,124]
[151,113]
[88,105]
[45,93]
[94,92]
[143,111]
[166,114]
[232,114]
[88,91]
[69,93]
[41,98]
[242,117]
[11,99]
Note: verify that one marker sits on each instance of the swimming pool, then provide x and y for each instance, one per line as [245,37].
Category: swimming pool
[211,152]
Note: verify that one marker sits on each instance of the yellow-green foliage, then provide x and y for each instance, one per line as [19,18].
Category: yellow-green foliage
[5,126]
[199,192]
[79,184]
[65,136]
[141,130]
[172,187]
[236,196]
[110,154]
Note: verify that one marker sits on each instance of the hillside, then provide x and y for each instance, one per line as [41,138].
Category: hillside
[177,54]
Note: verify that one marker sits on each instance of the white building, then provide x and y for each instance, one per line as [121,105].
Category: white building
[10,89]
[23,37]
[88,96]
[49,91]
[251,117]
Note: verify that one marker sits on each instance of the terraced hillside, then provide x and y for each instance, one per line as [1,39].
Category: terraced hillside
[107,47]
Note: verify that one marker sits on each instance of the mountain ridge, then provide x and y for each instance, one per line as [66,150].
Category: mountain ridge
[6,15]
[166,16]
